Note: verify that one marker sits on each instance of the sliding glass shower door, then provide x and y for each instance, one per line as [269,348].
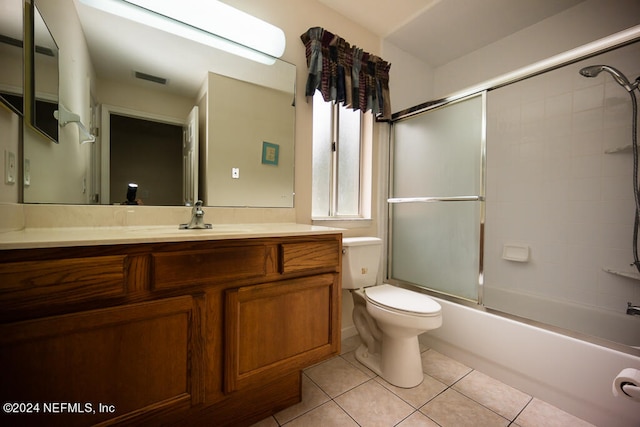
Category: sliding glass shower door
[436,202]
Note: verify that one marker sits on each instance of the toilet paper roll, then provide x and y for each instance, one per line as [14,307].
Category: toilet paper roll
[627,384]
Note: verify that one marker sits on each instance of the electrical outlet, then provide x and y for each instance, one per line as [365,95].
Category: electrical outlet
[10,168]
[235,173]
[26,171]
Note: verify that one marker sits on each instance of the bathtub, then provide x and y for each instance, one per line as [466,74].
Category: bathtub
[616,327]
[571,374]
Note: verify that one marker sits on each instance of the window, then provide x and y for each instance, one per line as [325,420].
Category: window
[341,153]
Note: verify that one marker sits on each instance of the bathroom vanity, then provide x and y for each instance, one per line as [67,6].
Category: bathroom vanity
[178,329]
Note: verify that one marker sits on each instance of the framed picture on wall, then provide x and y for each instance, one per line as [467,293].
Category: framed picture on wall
[270,153]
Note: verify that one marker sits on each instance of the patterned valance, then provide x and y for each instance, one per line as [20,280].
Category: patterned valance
[346,74]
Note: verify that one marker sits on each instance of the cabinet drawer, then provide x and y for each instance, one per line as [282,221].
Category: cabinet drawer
[37,283]
[216,265]
[309,255]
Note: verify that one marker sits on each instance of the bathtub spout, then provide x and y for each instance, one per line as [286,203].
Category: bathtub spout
[633,310]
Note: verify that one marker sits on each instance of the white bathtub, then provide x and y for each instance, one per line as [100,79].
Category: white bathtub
[572,374]
[616,327]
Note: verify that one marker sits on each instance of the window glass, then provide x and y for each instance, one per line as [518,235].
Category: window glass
[348,163]
[322,153]
[337,152]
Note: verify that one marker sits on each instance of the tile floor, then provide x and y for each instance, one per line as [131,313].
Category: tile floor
[342,392]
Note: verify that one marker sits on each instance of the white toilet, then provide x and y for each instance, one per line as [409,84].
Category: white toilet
[388,318]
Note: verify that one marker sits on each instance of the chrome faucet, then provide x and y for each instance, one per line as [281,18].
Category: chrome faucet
[197,218]
[633,309]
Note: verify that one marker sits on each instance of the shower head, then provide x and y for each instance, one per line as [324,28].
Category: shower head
[594,70]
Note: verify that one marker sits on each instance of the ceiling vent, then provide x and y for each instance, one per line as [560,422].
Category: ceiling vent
[151,78]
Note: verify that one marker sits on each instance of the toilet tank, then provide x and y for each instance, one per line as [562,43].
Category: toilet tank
[360,261]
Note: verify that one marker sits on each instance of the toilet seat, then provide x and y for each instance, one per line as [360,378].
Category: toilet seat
[402,301]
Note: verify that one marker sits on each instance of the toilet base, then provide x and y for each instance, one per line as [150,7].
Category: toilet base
[370,360]
[399,362]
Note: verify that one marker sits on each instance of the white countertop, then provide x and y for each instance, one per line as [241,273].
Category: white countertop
[88,236]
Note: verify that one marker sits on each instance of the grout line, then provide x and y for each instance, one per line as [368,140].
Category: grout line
[382,383]
[522,410]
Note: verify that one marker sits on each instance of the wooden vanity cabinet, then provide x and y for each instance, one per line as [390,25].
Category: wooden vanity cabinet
[207,332]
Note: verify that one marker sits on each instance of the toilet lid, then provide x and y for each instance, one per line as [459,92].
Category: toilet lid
[401,299]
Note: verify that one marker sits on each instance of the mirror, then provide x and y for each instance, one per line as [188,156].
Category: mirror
[11,54]
[45,78]
[110,65]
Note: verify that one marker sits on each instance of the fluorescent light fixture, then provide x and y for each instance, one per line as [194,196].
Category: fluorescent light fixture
[209,22]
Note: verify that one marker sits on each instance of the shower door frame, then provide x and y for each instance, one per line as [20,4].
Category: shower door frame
[480,197]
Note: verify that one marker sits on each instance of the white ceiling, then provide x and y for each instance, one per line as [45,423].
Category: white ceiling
[439,31]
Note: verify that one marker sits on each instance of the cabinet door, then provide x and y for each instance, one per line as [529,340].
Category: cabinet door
[278,328]
[122,362]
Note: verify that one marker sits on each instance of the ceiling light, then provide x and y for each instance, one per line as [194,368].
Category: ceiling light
[209,22]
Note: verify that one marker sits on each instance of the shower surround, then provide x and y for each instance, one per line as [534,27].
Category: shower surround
[559,182]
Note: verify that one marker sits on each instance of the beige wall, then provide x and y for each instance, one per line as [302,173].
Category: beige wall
[10,124]
[233,144]
[137,98]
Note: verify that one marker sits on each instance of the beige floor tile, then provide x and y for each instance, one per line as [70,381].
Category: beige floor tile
[267,422]
[370,404]
[417,420]
[312,397]
[417,396]
[351,358]
[329,414]
[343,392]
[539,413]
[495,395]
[336,376]
[443,368]
[452,409]
[349,344]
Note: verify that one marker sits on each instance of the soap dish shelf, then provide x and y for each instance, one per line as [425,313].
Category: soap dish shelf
[623,149]
[517,253]
[627,274]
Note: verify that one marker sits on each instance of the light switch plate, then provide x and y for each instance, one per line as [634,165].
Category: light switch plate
[10,168]
[235,173]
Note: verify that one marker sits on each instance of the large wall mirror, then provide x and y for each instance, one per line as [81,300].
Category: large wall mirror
[203,114]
